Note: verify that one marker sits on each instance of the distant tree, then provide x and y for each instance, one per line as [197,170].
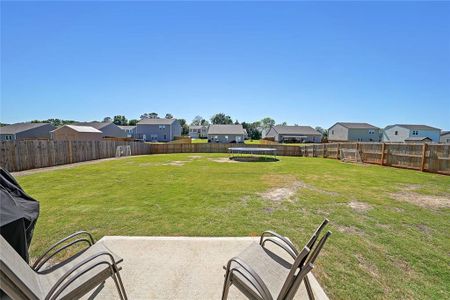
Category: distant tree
[221,118]
[152,115]
[55,122]
[132,122]
[198,120]
[267,123]
[169,116]
[319,129]
[236,122]
[120,120]
[253,130]
[107,119]
[324,133]
[184,127]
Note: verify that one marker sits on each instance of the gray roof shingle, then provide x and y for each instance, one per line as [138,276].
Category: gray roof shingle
[96,125]
[156,121]
[353,125]
[417,138]
[414,126]
[20,127]
[226,129]
[297,130]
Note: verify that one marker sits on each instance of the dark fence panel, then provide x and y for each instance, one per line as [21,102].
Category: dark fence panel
[31,154]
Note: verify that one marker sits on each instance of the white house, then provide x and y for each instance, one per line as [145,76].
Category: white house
[399,133]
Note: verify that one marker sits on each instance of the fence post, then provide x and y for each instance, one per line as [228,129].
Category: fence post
[424,151]
[70,152]
[337,151]
[383,147]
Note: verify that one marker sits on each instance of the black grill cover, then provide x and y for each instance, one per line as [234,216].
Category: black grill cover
[18,214]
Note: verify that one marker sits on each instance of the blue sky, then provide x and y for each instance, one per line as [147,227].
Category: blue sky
[300,62]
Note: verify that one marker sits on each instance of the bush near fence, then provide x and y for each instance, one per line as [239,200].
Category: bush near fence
[25,155]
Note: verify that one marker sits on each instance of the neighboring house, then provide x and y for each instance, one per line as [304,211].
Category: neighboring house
[226,134]
[76,133]
[108,129]
[26,131]
[353,132]
[158,130]
[401,132]
[445,137]
[301,134]
[198,131]
[418,140]
[130,131]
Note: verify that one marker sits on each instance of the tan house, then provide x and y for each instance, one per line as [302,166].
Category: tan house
[76,133]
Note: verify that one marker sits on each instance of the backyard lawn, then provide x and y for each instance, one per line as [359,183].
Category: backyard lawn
[390,226]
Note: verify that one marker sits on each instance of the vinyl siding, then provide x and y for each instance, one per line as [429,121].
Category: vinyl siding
[338,133]
[404,133]
[221,138]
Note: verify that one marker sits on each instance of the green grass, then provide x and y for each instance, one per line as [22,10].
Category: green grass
[393,250]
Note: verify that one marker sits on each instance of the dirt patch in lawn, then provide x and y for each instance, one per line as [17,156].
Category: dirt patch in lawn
[367,266]
[222,160]
[288,185]
[282,193]
[195,157]
[349,230]
[178,163]
[408,194]
[360,207]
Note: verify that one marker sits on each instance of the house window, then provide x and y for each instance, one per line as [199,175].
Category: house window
[415,132]
[396,132]
[371,131]
[162,126]
[165,136]
[226,137]
[332,131]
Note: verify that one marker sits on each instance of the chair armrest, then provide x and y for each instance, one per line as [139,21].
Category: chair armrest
[248,273]
[58,247]
[285,244]
[55,292]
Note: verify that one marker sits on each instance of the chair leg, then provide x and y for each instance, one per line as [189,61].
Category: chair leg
[121,286]
[226,286]
[309,288]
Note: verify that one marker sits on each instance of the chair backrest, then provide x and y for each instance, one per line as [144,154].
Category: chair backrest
[302,258]
[17,279]
[307,267]
[316,234]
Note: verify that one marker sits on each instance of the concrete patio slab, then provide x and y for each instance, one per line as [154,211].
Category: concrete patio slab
[178,267]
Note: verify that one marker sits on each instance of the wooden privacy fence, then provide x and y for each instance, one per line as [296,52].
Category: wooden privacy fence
[218,148]
[424,157]
[24,155]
